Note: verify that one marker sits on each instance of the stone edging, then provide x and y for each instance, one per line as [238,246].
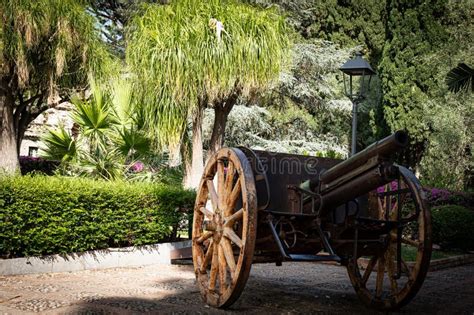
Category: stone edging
[165,253]
[450,262]
[97,259]
[439,264]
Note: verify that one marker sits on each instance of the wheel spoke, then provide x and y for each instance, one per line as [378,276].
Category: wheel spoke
[207,258]
[213,195]
[391,276]
[234,195]
[229,221]
[381,207]
[208,213]
[229,179]
[388,207]
[410,242]
[230,234]
[407,270]
[229,255]
[204,237]
[380,275]
[224,227]
[394,211]
[222,270]
[214,268]
[220,184]
[368,270]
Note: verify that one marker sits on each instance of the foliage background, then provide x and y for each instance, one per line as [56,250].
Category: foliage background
[412,45]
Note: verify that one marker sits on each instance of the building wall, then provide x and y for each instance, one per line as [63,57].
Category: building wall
[50,119]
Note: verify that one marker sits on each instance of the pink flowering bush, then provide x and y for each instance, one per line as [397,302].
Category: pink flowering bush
[137,167]
[440,196]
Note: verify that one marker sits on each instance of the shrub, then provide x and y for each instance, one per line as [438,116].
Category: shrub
[30,164]
[440,196]
[453,227]
[45,215]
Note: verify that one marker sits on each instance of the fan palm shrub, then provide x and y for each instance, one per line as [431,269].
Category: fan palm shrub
[60,145]
[110,139]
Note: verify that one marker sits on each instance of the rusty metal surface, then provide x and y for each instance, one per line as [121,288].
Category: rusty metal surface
[283,170]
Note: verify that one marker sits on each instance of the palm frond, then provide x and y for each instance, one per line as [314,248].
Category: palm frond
[121,102]
[60,145]
[52,43]
[460,79]
[100,163]
[132,143]
[94,119]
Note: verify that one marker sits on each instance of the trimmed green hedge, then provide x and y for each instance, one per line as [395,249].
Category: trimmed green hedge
[45,215]
[453,227]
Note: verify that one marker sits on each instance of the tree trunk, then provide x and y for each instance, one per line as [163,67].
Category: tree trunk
[21,129]
[194,174]
[221,113]
[9,161]
[218,131]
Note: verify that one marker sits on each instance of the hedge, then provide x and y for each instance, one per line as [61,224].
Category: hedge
[44,215]
[453,227]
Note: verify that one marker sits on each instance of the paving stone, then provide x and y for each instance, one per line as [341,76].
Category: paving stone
[291,289]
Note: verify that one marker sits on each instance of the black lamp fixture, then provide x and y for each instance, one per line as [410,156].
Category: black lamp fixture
[359,74]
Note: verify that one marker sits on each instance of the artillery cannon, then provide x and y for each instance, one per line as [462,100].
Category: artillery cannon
[362,213]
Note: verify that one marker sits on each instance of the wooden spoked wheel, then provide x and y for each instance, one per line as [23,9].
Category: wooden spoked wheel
[376,278]
[224,227]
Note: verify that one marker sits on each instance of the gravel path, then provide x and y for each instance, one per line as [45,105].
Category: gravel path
[292,288]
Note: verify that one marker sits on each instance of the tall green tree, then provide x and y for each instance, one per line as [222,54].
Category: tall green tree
[113,17]
[190,55]
[348,23]
[413,34]
[47,47]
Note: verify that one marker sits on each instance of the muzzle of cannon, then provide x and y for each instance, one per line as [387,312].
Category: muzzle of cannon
[362,213]
[358,175]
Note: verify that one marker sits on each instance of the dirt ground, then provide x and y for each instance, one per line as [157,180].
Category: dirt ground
[292,288]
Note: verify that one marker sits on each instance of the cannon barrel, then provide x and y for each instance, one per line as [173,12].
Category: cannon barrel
[384,148]
[358,186]
[358,175]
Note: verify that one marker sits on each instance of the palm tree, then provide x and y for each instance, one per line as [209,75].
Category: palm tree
[190,55]
[47,48]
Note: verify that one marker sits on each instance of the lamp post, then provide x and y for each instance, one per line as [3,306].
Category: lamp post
[359,74]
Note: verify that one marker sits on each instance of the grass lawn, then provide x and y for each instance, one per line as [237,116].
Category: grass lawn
[409,253]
